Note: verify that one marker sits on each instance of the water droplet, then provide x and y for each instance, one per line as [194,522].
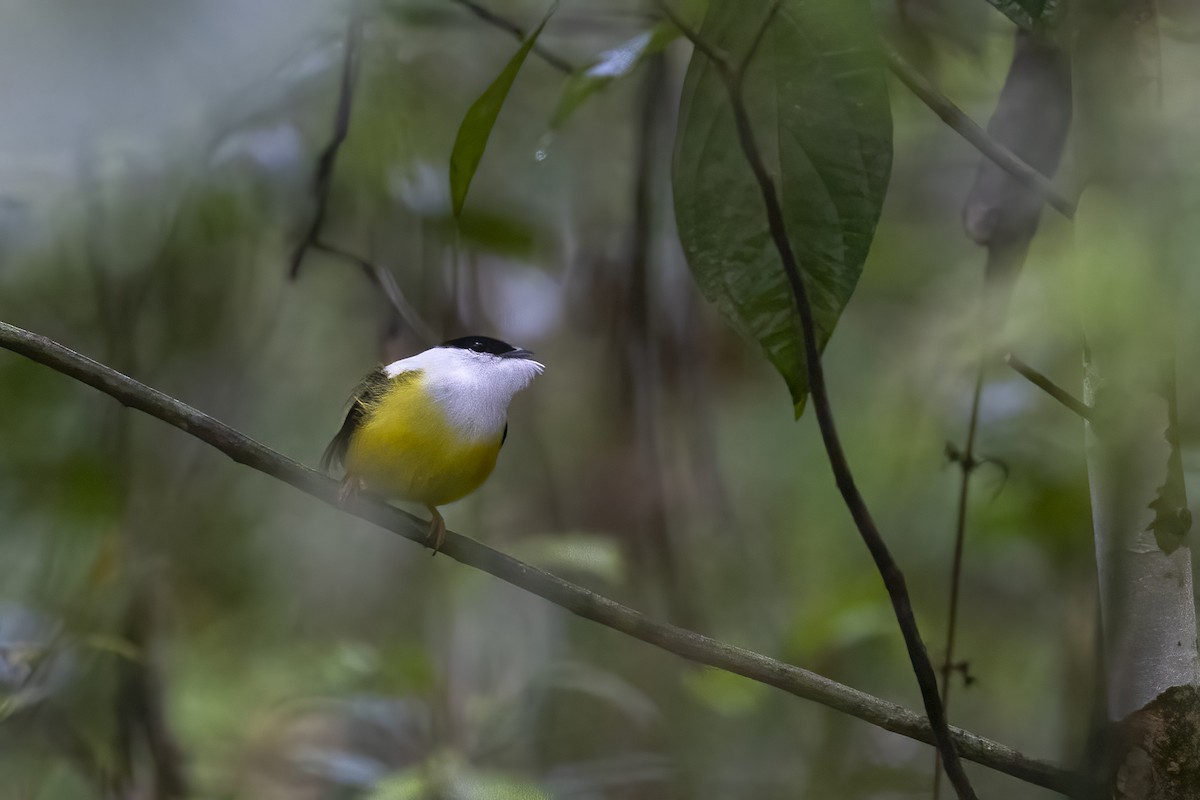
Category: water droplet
[543,146]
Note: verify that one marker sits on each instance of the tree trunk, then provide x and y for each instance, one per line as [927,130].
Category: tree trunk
[1140,516]
[1139,504]
[1147,606]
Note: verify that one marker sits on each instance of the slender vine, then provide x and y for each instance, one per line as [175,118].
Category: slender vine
[889,570]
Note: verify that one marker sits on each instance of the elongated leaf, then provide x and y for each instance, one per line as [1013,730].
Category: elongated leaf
[477,125]
[611,64]
[818,104]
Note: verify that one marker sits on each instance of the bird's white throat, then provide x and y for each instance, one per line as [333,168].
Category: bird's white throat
[473,389]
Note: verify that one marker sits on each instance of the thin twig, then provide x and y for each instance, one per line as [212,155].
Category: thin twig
[889,571]
[1032,117]
[323,177]
[1049,387]
[582,602]
[957,119]
[386,282]
[505,24]
[967,464]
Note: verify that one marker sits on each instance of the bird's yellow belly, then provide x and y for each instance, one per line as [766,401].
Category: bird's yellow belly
[406,450]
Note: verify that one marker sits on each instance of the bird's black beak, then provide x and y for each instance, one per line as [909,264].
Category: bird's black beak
[519,352]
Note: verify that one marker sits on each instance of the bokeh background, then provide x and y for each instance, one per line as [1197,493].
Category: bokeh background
[164,609]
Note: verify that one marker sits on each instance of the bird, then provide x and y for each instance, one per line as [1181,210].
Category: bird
[427,429]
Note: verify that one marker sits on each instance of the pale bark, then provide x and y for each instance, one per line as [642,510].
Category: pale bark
[1140,518]
[1139,504]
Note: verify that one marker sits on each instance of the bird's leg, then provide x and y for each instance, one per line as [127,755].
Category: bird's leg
[351,485]
[437,529]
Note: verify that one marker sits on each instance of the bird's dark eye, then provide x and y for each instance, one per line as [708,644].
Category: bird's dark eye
[478,346]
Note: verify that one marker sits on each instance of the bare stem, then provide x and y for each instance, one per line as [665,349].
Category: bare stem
[323,177]
[503,23]
[582,602]
[967,464]
[1048,386]
[966,127]
[386,282]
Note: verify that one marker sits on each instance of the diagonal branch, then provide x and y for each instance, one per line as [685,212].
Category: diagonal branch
[889,570]
[967,128]
[582,602]
[1065,398]
[386,282]
[505,24]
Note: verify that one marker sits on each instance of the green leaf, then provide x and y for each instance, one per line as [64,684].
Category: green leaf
[611,64]
[477,125]
[818,105]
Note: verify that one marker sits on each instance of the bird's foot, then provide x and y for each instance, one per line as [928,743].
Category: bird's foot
[351,485]
[437,530]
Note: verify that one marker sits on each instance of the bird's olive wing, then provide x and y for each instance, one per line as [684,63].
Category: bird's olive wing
[366,394]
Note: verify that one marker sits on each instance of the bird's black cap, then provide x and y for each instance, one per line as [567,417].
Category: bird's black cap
[482,344]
